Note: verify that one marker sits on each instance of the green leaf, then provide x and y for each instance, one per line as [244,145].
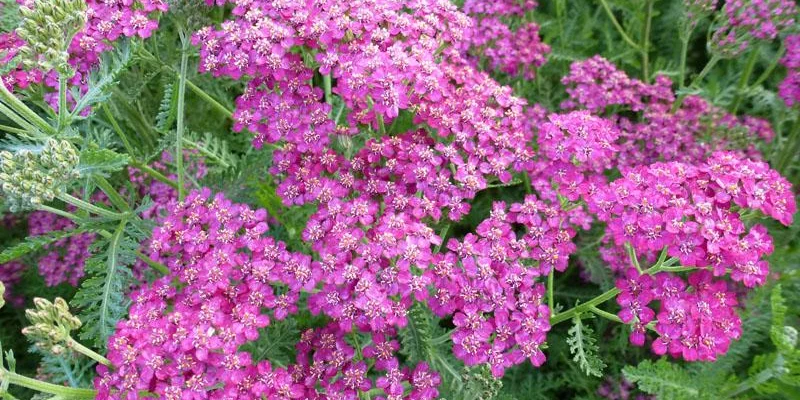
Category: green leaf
[102,80]
[101,161]
[276,343]
[665,380]
[35,243]
[102,297]
[583,347]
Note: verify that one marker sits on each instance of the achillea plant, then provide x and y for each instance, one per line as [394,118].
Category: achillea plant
[380,199]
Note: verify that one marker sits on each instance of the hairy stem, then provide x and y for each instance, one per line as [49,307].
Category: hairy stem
[550,285]
[116,199]
[69,199]
[619,27]
[208,99]
[646,42]
[326,84]
[63,110]
[687,35]
[181,116]
[748,70]
[74,345]
[45,387]
[17,105]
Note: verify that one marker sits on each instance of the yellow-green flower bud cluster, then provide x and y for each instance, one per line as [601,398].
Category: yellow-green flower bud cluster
[47,28]
[51,325]
[30,178]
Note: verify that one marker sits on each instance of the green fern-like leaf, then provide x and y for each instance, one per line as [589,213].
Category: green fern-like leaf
[417,337]
[101,161]
[102,298]
[665,380]
[35,243]
[112,64]
[166,110]
[276,343]
[71,369]
[584,349]
[214,149]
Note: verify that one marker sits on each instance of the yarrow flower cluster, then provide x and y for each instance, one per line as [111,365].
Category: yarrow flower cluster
[488,281]
[789,89]
[517,51]
[696,321]
[744,21]
[187,340]
[102,23]
[693,211]
[659,133]
[65,258]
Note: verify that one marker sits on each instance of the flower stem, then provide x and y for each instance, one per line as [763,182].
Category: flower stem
[646,42]
[699,78]
[27,128]
[112,193]
[326,84]
[74,345]
[181,115]
[550,284]
[63,111]
[24,111]
[118,130]
[210,100]
[790,149]
[153,263]
[605,314]
[155,174]
[619,28]
[748,70]
[687,35]
[90,207]
[58,212]
[45,387]
[611,293]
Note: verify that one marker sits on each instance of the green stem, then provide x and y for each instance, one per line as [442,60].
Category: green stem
[605,314]
[326,84]
[582,308]
[181,116]
[767,72]
[684,52]
[11,129]
[442,236]
[63,110]
[646,42]
[550,284]
[62,213]
[748,70]
[74,345]
[113,194]
[155,174]
[90,207]
[632,257]
[609,294]
[619,28]
[699,78]
[153,263]
[45,387]
[24,111]
[790,149]
[210,100]
[25,125]
[118,130]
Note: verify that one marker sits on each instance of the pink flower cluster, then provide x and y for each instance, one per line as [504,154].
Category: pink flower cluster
[10,44]
[697,321]
[689,134]
[748,20]
[514,52]
[789,89]
[693,211]
[185,341]
[65,258]
[574,149]
[488,281]
[596,84]
[107,21]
